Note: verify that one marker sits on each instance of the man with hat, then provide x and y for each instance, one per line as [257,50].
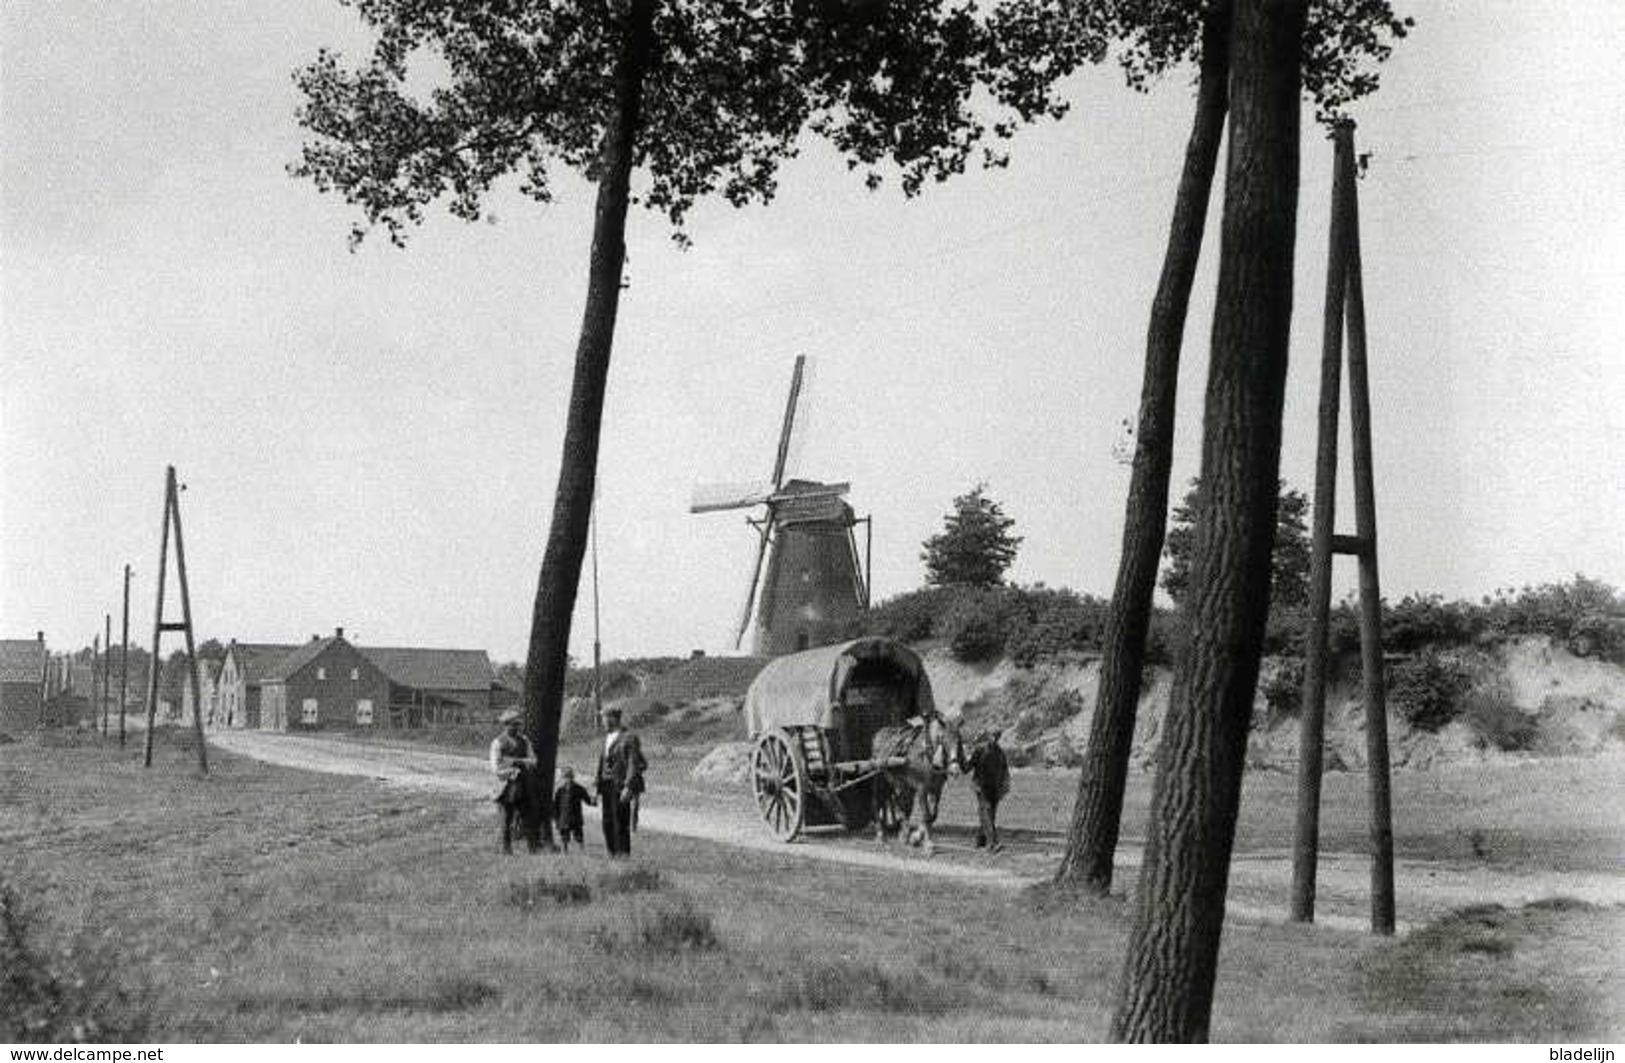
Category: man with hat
[619,781]
[989,770]
[513,761]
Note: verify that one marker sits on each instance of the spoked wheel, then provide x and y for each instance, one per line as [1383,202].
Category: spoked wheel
[780,784]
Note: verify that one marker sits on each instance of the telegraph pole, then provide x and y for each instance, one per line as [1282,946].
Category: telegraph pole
[97,719]
[124,660]
[172,516]
[597,646]
[1345,303]
[107,660]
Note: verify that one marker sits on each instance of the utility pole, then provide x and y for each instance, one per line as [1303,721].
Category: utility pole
[107,660]
[124,660]
[597,646]
[172,516]
[97,719]
[1345,302]
[44,679]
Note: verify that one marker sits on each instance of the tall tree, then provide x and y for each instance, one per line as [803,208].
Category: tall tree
[1344,40]
[1166,989]
[1289,560]
[697,98]
[975,545]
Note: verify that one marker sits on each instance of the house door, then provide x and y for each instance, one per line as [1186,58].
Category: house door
[308,712]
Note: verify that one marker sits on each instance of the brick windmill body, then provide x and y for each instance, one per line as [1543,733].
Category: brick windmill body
[814,590]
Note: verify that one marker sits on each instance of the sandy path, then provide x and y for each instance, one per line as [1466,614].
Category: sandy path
[1258,881]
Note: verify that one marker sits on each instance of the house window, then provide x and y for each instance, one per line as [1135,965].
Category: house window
[355,673]
[363,712]
[321,673]
[309,713]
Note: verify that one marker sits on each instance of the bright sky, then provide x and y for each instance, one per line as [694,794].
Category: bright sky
[372,439]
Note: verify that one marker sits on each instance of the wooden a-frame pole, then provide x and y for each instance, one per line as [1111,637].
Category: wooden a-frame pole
[1365,531]
[1345,303]
[172,514]
[124,660]
[155,662]
[107,664]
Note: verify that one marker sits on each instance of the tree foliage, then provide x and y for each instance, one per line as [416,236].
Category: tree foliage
[1344,41]
[975,546]
[524,86]
[1289,563]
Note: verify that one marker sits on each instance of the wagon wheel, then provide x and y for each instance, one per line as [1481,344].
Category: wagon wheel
[780,783]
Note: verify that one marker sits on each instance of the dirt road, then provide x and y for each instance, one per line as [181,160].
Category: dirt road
[1258,881]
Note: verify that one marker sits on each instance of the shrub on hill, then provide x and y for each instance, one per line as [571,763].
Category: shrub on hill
[1026,624]
[910,616]
[979,622]
[1427,689]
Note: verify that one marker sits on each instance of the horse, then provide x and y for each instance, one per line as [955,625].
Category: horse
[930,749]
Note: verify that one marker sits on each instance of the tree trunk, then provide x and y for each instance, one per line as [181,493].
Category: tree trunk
[1097,814]
[548,656]
[1166,989]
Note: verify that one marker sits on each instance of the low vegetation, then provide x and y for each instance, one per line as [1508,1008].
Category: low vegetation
[264,904]
[1026,624]
[57,987]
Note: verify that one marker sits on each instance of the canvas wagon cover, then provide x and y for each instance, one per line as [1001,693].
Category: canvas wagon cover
[802,687]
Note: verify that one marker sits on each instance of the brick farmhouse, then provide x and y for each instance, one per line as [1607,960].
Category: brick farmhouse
[330,683]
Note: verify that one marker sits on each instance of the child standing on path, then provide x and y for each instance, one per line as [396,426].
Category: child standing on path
[567,802]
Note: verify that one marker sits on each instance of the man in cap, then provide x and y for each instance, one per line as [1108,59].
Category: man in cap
[619,781]
[990,778]
[513,761]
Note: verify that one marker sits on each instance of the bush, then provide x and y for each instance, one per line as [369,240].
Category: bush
[840,985]
[1047,712]
[527,896]
[1058,621]
[630,880]
[1427,689]
[641,711]
[1162,636]
[978,622]
[74,993]
[680,929]
[1283,688]
[1565,612]
[1598,635]
[1497,723]
[910,617]
[1429,620]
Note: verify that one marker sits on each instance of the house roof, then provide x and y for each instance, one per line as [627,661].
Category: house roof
[254,659]
[289,663]
[432,669]
[21,660]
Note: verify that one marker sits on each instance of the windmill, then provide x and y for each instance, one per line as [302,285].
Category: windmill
[815,588]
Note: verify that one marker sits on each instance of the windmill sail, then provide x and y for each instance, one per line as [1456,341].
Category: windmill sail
[709,498]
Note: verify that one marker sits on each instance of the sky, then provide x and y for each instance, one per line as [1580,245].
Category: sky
[371,439]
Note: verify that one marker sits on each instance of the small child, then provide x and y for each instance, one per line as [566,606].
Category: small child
[567,801]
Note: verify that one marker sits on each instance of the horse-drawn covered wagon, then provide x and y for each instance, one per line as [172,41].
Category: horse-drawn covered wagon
[840,731]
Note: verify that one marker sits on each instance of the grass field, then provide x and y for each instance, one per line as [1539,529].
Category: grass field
[266,904]
[1550,814]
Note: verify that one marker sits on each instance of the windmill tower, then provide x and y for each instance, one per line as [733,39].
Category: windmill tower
[815,588]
